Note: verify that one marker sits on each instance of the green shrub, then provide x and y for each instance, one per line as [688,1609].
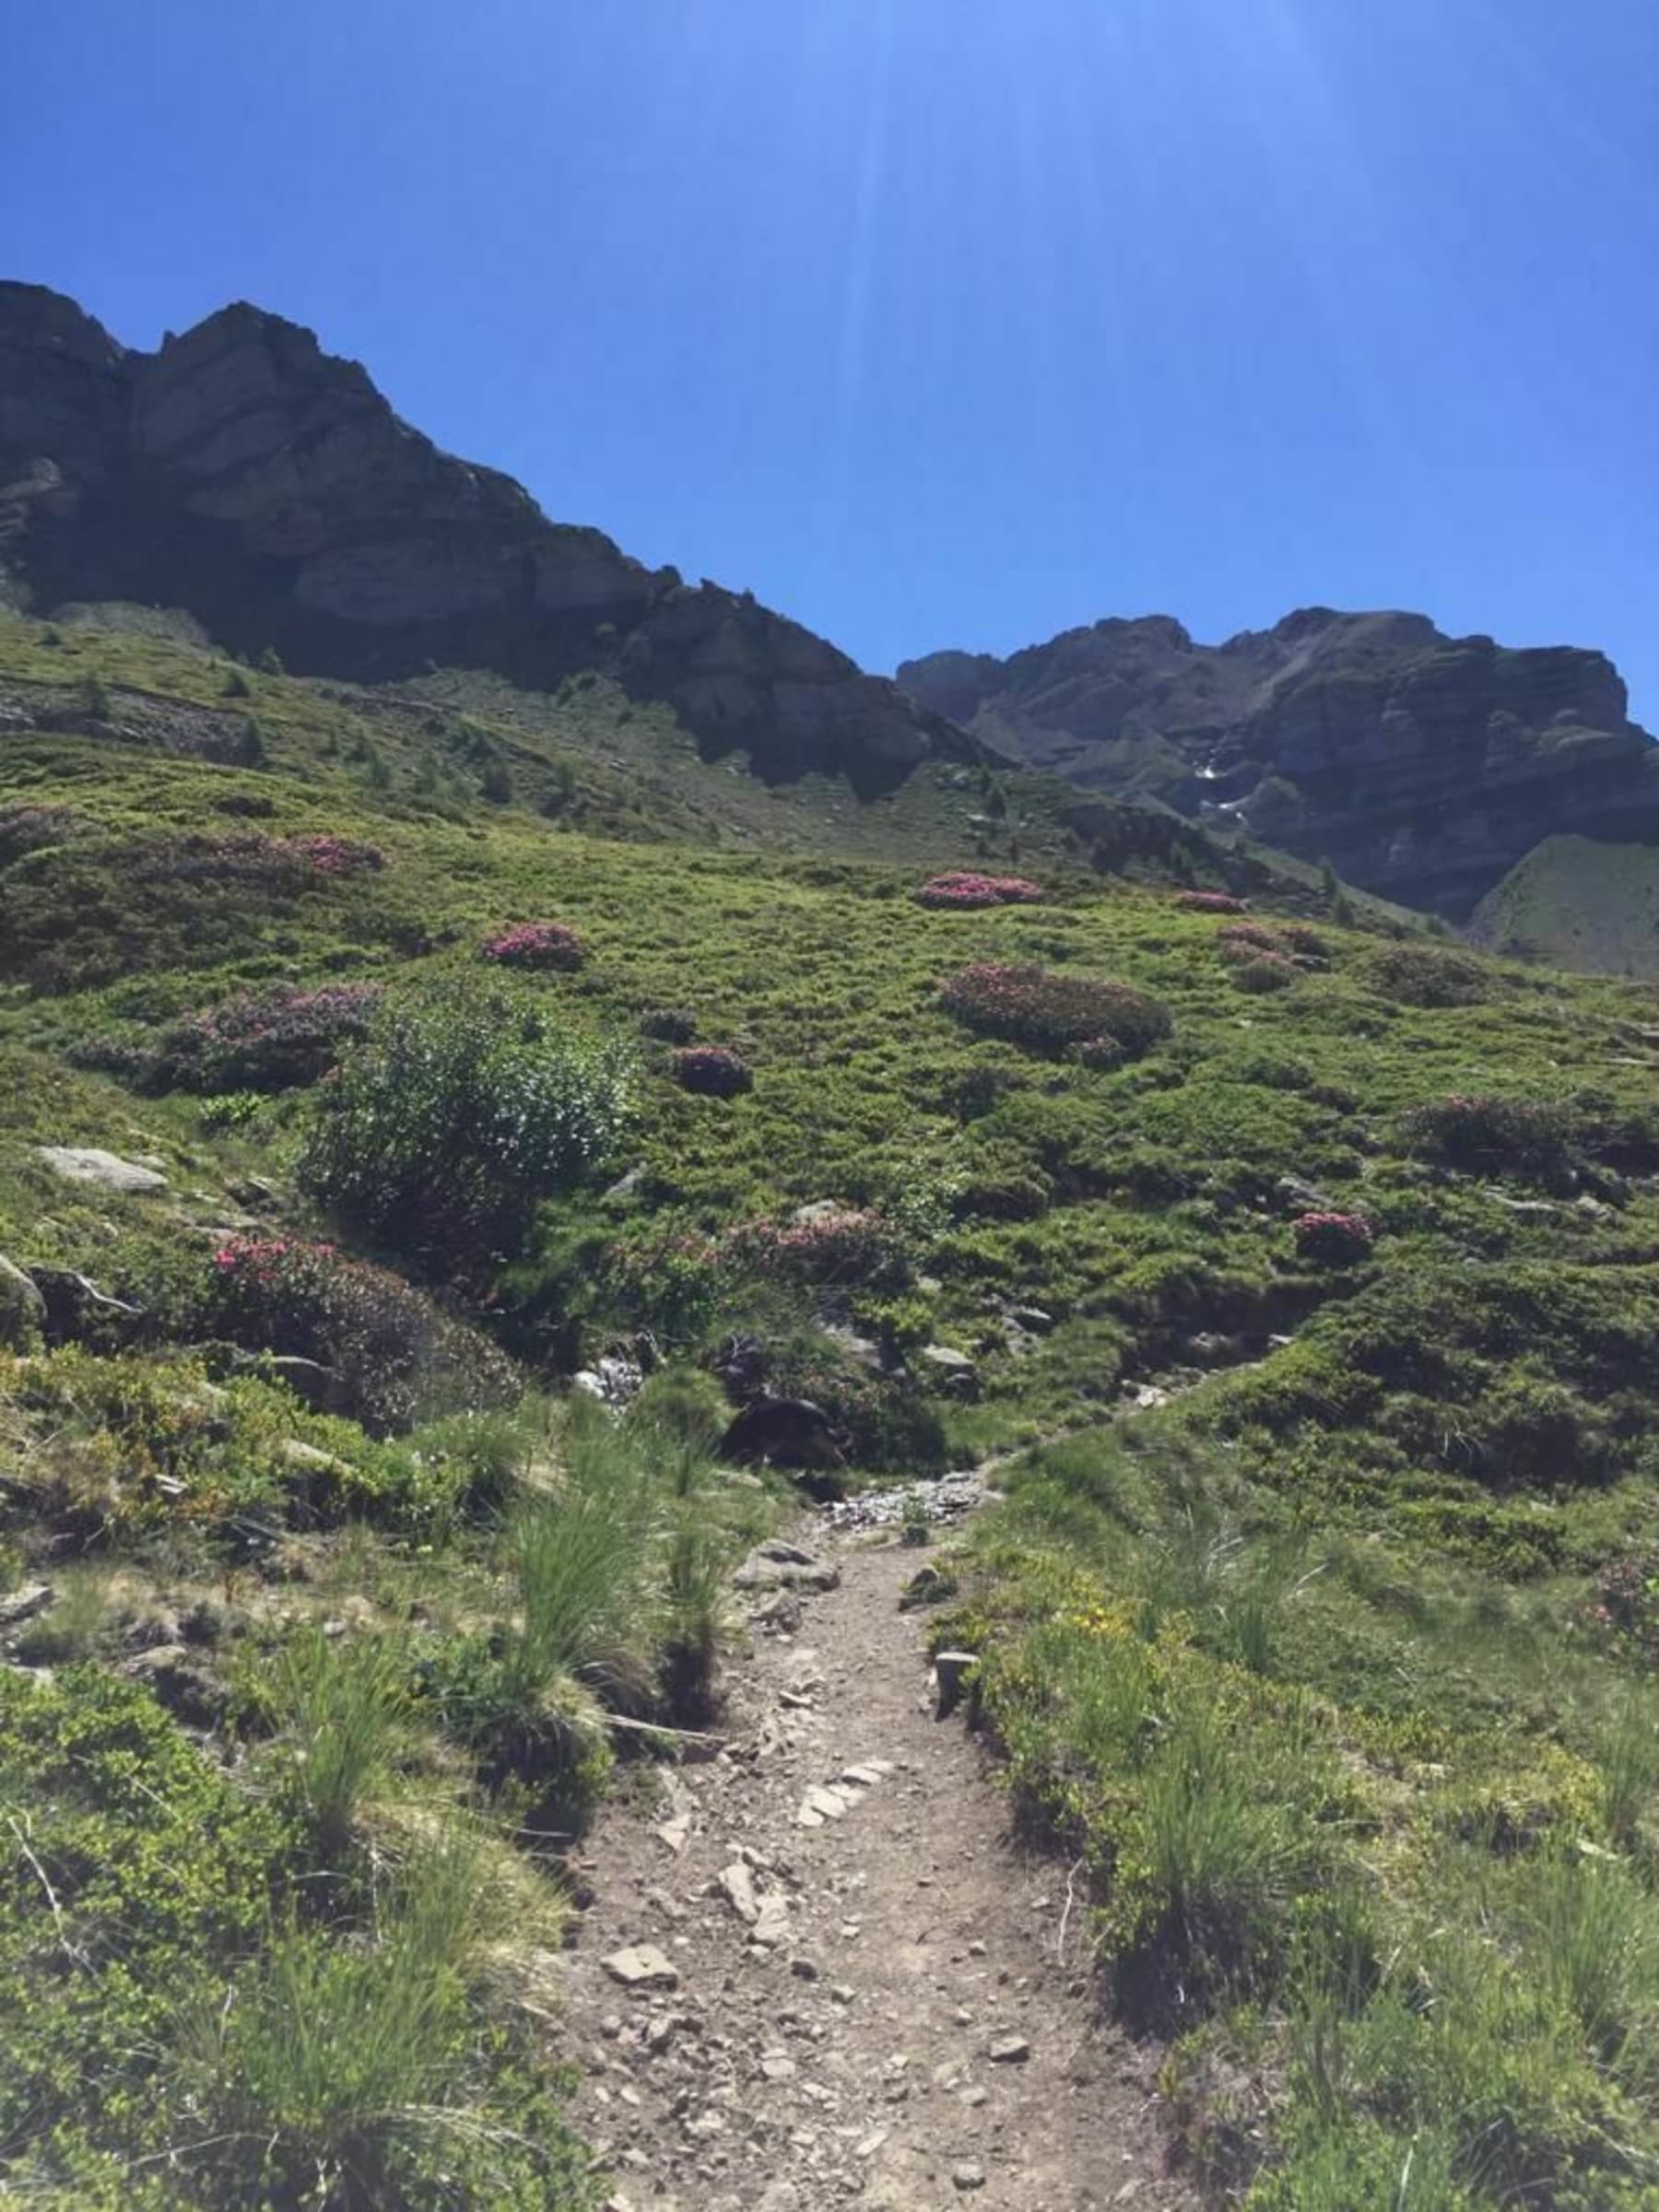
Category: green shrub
[159,1868]
[1489,1136]
[1269,971]
[1424,975]
[460,1110]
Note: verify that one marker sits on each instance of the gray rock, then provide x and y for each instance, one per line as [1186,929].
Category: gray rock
[22,1309]
[356,547]
[24,1602]
[1036,1320]
[968,2173]
[642,1966]
[1425,766]
[950,1671]
[74,1306]
[1009,2050]
[103,1170]
[183,1682]
[738,1885]
[795,1569]
[953,1373]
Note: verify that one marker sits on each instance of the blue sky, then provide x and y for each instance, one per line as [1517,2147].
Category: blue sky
[936,322]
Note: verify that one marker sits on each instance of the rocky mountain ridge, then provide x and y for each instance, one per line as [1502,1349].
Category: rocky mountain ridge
[1423,766]
[242,474]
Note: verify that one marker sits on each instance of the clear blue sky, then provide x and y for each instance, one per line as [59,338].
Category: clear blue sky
[936,322]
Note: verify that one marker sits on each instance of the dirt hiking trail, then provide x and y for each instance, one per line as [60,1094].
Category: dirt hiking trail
[819,1968]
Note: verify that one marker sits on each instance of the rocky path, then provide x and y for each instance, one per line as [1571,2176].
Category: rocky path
[818,1970]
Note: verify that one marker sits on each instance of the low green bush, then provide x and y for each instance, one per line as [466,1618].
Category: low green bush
[1425,975]
[1525,1137]
[461,1111]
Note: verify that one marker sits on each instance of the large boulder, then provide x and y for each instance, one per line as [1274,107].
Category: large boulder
[103,1170]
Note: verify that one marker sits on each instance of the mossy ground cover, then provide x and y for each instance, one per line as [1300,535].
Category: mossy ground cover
[1394,1539]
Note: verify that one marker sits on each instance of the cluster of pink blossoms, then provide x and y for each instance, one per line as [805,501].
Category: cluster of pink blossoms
[713,1071]
[534,945]
[1333,1240]
[961,888]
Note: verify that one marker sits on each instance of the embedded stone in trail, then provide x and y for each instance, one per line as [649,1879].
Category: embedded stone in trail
[642,1966]
[951,1670]
[738,1885]
[778,1565]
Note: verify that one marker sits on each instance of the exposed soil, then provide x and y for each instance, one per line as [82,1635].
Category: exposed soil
[893,2005]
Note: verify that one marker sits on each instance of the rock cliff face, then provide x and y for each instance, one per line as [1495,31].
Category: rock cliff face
[1423,766]
[245,475]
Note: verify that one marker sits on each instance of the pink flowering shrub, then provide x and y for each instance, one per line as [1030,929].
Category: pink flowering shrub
[331,855]
[250,857]
[394,1357]
[842,1247]
[545,945]
[1212,902]
[1623,1615]
[1247,941]
[1031,1005]
[27,824]
[1332,1240]
[266,1039]
[961,888]
[712,1071]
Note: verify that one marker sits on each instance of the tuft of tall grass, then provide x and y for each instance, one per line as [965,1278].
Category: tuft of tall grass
[343,1710]
[584,1557]
[332,2066]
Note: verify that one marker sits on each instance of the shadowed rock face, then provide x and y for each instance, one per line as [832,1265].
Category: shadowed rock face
[242,473]
[1423,766]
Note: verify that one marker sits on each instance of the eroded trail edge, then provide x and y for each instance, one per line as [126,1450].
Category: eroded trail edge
[819,1967]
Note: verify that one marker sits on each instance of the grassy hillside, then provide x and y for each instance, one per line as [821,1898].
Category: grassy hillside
[1578,905]
[1312,1270]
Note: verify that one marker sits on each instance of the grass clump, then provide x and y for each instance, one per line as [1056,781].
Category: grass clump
[354,2076]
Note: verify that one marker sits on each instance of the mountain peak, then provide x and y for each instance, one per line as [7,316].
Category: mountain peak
[1423,765]
[244,473]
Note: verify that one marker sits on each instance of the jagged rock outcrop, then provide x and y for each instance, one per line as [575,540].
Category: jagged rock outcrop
[1423,766]
[241,473]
